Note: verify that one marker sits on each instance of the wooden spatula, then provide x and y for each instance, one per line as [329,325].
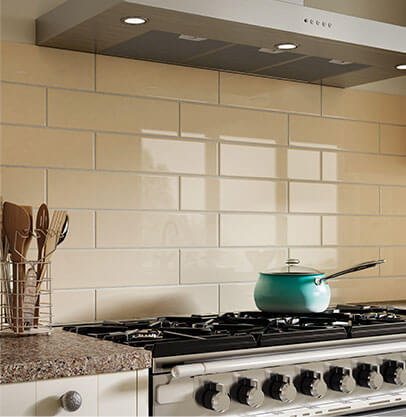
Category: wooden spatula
[16,223]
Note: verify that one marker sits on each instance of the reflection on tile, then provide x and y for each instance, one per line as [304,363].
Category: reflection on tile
[49,148]
[155,301]
[364,230]
[237,297]
[212,122]
[112,268]
[83,300]
[268,230]
[78,110]
[249,91]
[395,264]
[267,162]
[130,76]
[373,169]
[49,66]
[227,265]
[330,260]
[362,105]
[129,229]
[393,200]
[232,194]
[108,190]
[129,153]
[81,230]
[334,134]
[393,139]
[334,198]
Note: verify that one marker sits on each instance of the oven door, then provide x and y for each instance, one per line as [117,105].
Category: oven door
[392,411]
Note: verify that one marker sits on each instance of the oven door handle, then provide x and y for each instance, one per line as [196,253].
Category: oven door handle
[301,356]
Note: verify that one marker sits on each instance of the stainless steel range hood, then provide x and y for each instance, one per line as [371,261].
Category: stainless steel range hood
[233,35]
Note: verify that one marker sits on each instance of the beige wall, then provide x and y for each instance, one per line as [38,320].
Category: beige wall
[181,184]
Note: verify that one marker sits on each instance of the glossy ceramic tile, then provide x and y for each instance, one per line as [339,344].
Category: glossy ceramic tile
[364,230]
[228,265]
[81,230]
[395,264]
[268,162]
[83,302]
[393,200]
[130,76]
[227,123]
[333,134]
[393,139]
[333,198]
[249,91]
[373,169]
[22,104]
[237,297]
[78,110]
[232,195]
[52,67]
[129,229]
[108,190]
[130,153]
[114,268]
[155,301]
[268,230]
[330,260]
[23,185]
[51,148]
[362,105]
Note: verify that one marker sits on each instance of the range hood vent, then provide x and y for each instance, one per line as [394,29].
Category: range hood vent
[232,35]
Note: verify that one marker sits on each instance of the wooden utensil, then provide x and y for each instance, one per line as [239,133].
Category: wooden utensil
[27,242]
[17,228]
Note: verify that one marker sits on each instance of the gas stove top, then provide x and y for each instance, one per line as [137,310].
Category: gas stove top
[180,335]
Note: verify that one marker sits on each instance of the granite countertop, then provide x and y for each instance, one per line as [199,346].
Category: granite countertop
[64,354]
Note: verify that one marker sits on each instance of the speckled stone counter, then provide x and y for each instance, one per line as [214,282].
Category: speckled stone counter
[64,354]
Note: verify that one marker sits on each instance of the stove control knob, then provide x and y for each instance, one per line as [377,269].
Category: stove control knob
[369,376]
[216,398]
[394,372]
[313,384]
[282,389]
[249,393]
[341,380]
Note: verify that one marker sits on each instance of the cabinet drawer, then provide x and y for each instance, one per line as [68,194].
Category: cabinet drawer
[17,399]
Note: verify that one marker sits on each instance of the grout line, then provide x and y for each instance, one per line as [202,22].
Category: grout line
[218,87]
[46,185]
[218,231]
[379,138]
[289,121]
[288,208]
[94,73]
[95,303]
[321,165]
[179,120]
[95,229]
[94,150]
[321,100]
[321,231]
[218,297]
[179,193]
[46,107]
[179,267]
[380,202]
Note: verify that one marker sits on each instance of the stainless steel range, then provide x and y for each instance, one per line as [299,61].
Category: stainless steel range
[347,361]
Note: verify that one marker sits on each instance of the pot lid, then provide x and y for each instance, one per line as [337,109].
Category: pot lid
[292,267]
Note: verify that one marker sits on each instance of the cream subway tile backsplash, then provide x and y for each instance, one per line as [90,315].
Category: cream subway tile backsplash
[182,184]
[131,153]
[48,66]
[111,190]
[268,230]
[227,265]
[334,134]
[233,195]
[330,260]
[250,91]
[393,139]
[114,268]
[129,76]
[147,302]
[373,169]
[64,149]
[362,105]
[128,229]
[22,104]
[269,162]
[333,198]
[93,111]
[227,123]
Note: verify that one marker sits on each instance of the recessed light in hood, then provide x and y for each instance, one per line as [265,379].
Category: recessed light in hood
[401,67]
[134,20]
[286,46]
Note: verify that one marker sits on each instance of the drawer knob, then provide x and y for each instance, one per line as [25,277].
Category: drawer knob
[71,401]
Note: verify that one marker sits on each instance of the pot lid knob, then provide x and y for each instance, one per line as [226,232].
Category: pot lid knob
[292,261]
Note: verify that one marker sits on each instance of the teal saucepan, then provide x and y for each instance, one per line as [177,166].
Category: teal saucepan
[297,289]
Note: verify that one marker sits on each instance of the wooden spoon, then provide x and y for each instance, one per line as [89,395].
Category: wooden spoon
[16,223]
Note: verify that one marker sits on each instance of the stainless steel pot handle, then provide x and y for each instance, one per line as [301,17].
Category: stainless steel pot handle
[359,267]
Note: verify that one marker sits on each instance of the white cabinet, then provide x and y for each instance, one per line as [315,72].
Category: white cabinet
[118,394]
